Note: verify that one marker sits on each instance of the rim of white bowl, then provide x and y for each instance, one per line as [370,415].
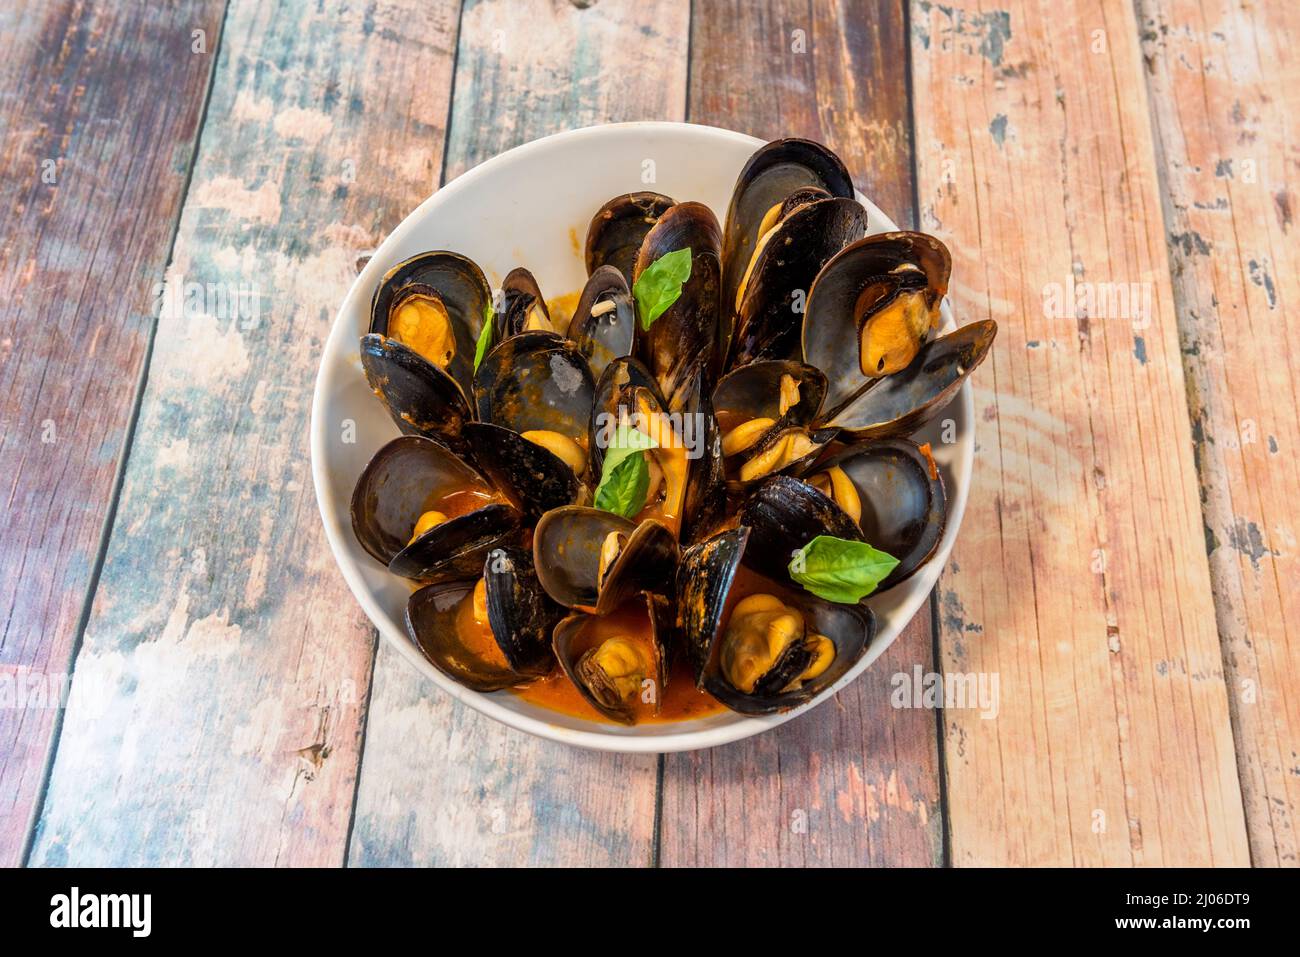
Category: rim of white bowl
[662,739]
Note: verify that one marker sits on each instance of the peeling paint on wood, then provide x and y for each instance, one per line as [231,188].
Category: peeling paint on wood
[1226,182]
[1081,551]
[98,121]
[217,709]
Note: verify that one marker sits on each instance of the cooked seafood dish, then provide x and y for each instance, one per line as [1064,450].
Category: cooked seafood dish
[676,500]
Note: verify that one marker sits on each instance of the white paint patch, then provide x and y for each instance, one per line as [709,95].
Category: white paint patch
[226,192]
[310,126]
[250,108]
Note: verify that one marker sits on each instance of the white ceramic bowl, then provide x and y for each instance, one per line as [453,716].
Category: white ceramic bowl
[530,206]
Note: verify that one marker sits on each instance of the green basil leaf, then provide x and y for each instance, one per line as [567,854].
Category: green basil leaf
[484,336]
[623,493]
[659,286]
[624,474]
[839,570]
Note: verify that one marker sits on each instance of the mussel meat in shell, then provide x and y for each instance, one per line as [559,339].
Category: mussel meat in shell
[619,227]
[614,672]
[489,633]
[787,257]
[523,308]
[764,411]
[759,647]
[426,514]
[767,403]
[595,560]
[539,385]
[776,172]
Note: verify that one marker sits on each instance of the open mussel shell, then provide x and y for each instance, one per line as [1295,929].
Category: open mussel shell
[770,176]
[863,285]
[773,293]
[901,498]
[614,397]
[706,493]
[420,398]
[447,278]
[575,649]
[899,404]
[523,308]
[536,381]
[706,576]
[783,450]
[515,647]
[522,615]
[407,477]
[534,479]
[686,336]
[617,230]
[760,390]
[592,559]
[783,515]
[603,326]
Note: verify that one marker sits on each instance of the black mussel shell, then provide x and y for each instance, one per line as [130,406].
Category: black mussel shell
[567,546]
[520,296]
[456,548]
[614,396]
[785,514]
[899,404]
[706,492]
[420,398]
[617,230]
[398,485]
[705,578]
[770,176]
[521,614]
[531,477]
[686,336]
[464,292]
[904,507]
[603,326]
[769,316]
[571,644]
[535,380]
[754,391]
[903,261]
[431,623]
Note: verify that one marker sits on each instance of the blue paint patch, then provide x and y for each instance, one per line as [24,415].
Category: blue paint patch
[999,128]
[1140,349]
[1032,344]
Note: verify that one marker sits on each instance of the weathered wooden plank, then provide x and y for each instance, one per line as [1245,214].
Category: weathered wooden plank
[217,711]
[855,781]
[1079,578]
[1222,88]
[440,783]
[98,119]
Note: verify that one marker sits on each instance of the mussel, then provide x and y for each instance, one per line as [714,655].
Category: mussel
[489,633]
[603,326]
[539,385]
[619,663]
[523,308]
[426,514]
[776,172]
[764,411]
[806,231]
[683,342]
[595,560]
[756,645]
[619,227]
[418,356]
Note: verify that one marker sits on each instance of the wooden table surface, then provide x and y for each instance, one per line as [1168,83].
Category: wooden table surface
[1114,179]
